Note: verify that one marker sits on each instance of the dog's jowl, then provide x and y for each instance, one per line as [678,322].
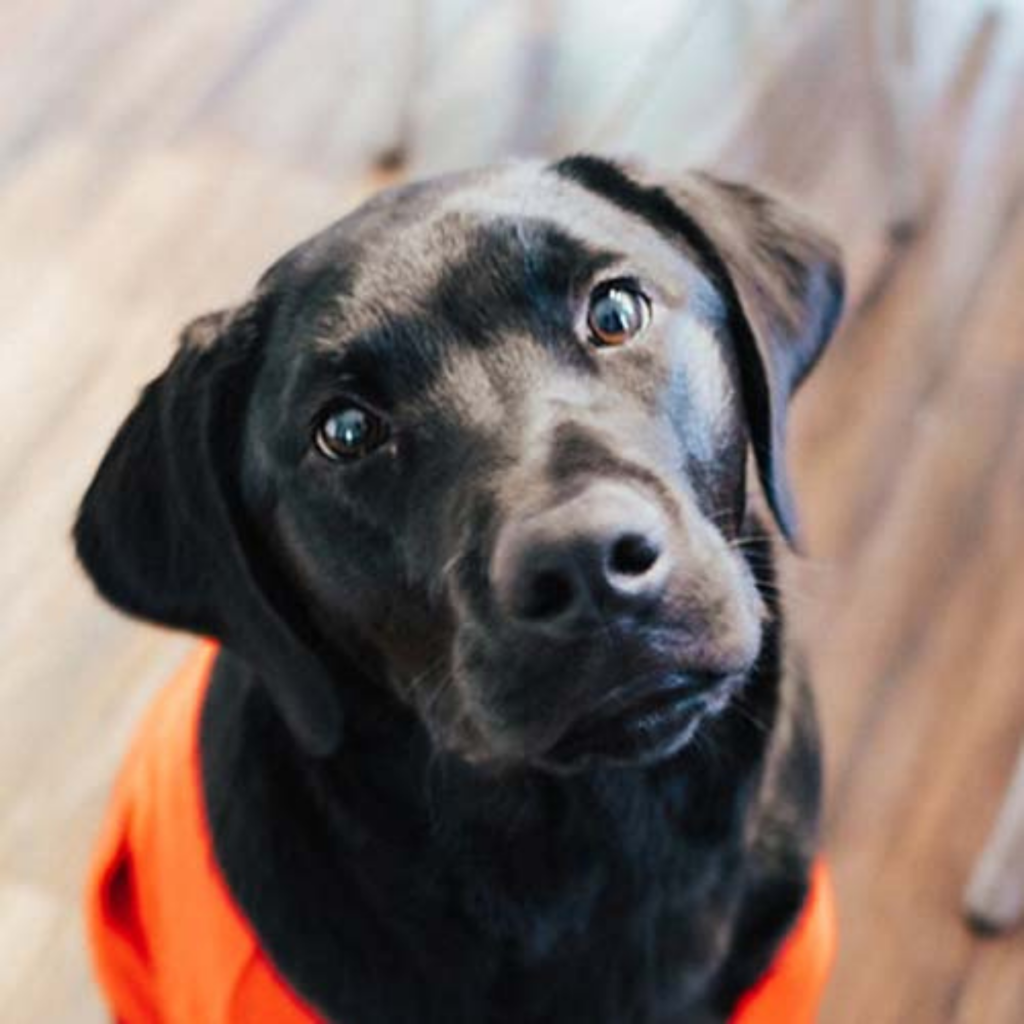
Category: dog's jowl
[498,720]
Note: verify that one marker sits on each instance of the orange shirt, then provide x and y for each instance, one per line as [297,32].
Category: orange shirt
[171,947]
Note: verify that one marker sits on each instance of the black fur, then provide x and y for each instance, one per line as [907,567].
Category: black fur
[403,794]
[448,899]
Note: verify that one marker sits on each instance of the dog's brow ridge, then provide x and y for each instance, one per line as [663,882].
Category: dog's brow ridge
[650,204]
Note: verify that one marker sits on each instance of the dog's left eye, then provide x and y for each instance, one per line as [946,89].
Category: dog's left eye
[350,432]
[618,311]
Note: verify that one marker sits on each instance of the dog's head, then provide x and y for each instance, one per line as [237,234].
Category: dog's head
[482,445]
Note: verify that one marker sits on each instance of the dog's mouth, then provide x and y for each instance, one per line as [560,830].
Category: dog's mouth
[642,728]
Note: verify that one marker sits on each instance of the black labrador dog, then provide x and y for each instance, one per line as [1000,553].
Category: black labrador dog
[505,726]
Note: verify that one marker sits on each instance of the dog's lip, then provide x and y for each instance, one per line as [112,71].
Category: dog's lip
[644,724]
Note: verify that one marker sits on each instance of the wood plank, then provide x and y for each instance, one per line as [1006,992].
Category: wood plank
[917,648]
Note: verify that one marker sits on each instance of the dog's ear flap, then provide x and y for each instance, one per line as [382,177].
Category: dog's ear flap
[162,533]
[782,281]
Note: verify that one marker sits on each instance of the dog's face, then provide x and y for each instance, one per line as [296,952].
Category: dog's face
[486,441]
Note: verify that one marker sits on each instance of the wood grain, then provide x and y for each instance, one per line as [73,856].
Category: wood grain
[154,158]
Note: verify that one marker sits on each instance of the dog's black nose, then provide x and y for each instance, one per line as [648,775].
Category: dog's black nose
[598,556]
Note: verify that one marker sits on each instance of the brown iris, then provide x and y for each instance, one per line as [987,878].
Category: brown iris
[618,311]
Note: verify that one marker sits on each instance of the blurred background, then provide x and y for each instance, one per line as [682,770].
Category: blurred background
[155,156]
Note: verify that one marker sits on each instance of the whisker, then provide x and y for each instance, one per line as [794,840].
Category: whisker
[742,708]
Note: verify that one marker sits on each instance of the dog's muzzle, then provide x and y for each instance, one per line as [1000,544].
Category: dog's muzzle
[597,569]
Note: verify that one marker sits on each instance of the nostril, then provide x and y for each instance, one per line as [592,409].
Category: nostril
[548,595]
[633,554]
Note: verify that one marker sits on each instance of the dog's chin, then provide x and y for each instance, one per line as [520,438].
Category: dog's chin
[653,709]
[644,731]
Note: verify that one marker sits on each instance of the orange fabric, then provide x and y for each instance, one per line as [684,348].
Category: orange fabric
[791,991]
[171,947]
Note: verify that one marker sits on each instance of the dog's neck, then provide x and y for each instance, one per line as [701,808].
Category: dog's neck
[391,850]
[558,897]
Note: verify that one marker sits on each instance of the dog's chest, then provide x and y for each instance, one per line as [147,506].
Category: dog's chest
[609,913]
[383,897]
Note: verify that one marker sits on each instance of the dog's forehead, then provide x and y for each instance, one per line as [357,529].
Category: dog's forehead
[386,257]
[534,192]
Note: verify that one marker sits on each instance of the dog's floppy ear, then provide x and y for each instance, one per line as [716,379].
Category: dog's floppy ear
[782,281]
[163,535]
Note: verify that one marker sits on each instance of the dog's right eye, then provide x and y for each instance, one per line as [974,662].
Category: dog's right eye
[350,432]
[618,312]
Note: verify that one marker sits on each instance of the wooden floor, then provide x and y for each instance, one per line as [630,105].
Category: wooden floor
[155,157]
